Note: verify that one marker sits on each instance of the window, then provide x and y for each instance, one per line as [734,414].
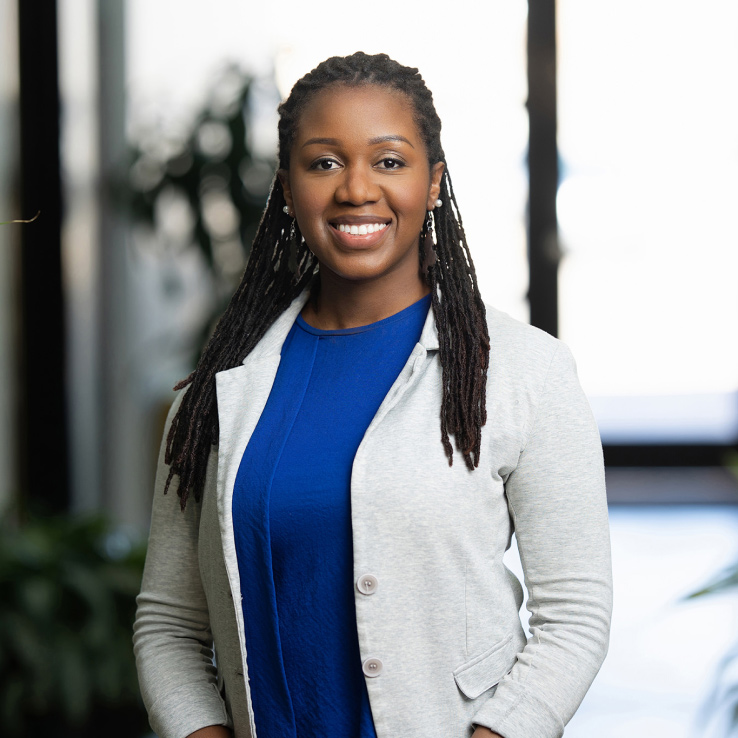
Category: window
[648,110]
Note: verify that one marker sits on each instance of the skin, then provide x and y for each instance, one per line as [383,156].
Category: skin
[213,731]
[340,170]
[358,154]
[485,733]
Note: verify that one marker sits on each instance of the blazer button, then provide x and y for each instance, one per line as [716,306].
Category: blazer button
[372,667]
[367,584]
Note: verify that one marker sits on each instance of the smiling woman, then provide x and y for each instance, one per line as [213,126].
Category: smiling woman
[337,574]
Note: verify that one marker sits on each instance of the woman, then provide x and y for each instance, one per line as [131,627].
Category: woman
[339,572]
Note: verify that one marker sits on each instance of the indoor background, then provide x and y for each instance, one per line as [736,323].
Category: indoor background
[593,148]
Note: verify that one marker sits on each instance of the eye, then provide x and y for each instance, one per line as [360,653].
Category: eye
[324,165]
[390,163]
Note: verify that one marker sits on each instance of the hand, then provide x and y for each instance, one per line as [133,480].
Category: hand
[481,732]
[212,731]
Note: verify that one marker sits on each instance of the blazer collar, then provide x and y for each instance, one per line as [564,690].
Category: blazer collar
[429,334]
[273,340]
[271,343]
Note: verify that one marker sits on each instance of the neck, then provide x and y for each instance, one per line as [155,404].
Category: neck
[341,305]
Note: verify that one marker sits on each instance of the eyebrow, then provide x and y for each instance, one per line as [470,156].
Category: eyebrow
[385,139]
[372,141]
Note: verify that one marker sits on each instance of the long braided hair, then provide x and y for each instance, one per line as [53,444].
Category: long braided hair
[281,266]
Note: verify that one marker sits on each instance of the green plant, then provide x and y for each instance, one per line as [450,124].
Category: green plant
[204,185]
[68,588]
[725,693]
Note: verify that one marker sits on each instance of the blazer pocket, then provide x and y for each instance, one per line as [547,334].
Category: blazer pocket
[484,671]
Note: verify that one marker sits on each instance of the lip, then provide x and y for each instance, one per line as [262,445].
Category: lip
[358,220]
[358,241]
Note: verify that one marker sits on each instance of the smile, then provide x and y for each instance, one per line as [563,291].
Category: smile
[360,236]
[360,230]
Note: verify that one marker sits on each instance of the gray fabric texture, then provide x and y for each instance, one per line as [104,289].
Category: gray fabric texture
[444,619]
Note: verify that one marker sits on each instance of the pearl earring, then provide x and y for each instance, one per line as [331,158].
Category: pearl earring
[286,210]
[439,203]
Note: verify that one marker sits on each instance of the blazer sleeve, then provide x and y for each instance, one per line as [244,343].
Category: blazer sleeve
[171,638]
[556,497]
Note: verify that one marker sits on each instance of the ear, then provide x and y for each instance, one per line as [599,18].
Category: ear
[436,174]
[284,178]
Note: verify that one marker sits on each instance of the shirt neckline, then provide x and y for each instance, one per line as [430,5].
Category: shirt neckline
[422,304]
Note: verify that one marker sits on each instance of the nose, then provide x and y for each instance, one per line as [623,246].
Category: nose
[357,186]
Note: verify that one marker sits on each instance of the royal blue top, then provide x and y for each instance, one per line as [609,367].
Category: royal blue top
[292,525]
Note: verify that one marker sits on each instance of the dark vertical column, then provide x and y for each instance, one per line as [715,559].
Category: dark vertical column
[543,250]
[43,441]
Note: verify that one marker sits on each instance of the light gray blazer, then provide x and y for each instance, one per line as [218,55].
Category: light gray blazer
[439,631]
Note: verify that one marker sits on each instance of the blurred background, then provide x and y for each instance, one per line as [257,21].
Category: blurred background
[593,148]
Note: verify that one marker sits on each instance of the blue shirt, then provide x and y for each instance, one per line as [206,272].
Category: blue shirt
[292,525]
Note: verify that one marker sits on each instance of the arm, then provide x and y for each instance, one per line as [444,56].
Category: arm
[556,497]
[172,639]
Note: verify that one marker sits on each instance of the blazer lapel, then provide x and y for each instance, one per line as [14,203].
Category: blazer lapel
[242,393]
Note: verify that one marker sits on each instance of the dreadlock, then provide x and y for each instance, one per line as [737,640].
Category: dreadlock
[281,266]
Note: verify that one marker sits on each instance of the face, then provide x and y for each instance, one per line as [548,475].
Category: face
[360,185]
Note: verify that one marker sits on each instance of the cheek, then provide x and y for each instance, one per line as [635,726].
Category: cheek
[412,201]
[309,201]
[309,196]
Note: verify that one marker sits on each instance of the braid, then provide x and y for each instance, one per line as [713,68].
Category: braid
[279,269]
[462,331]
[281,266]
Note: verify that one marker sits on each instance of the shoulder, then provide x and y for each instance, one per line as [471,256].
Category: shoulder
[520,347]
[533,384]
[528,367]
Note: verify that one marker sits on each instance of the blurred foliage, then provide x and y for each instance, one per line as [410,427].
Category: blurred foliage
[726,580]
[725,693]
[68,588]
[204,186]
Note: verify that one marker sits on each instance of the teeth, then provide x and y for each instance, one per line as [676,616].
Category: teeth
[362,230]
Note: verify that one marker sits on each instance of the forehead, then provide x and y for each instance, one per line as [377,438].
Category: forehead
[358,112]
